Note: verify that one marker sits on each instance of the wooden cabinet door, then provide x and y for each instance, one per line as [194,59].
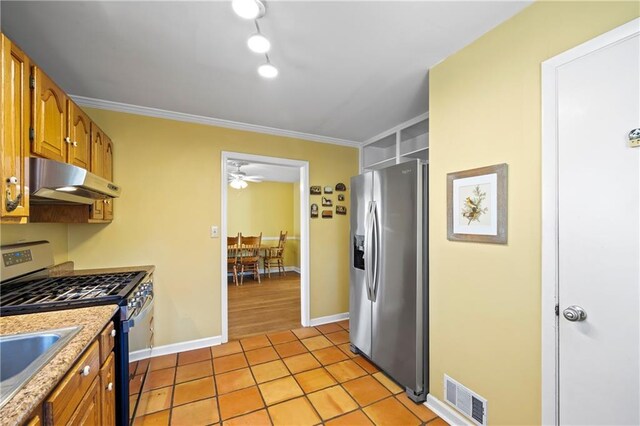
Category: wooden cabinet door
[15,116]
[97,165]
[79,148]
[108,174]
[108,402]
[50,118]
[89,411]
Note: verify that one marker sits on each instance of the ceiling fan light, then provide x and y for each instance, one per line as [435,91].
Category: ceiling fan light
[248,9]
[268,71]
[238,184]
[259,43]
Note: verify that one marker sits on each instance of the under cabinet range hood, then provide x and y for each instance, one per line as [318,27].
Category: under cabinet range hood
[52,182]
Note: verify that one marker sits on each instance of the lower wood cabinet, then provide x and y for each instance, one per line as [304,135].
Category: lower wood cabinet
[89,410]
[108,383]
[86,395]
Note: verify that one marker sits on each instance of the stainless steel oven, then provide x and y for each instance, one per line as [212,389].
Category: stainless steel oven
[138,329]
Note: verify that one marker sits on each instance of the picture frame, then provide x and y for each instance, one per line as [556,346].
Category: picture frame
[327,214]
[314,211]
[326,202]
[477,205]
[315,190]
[341,210]
[340,197]
[328,189]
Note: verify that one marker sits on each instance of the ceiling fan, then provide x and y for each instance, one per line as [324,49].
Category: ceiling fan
[238,179]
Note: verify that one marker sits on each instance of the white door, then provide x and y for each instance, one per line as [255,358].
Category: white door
[598,104]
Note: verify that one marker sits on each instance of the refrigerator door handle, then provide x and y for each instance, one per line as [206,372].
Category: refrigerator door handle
[375,232]
[367,250]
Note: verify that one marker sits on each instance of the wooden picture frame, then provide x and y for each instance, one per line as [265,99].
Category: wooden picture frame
[477,205]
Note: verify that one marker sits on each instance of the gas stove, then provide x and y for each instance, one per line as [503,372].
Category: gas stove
[64,292]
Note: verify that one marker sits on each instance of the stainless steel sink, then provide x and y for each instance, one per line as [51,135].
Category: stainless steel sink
[23,355]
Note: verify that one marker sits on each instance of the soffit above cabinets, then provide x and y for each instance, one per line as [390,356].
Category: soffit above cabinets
[348,70]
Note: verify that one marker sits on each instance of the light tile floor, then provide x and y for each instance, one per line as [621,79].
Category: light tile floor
[306,376]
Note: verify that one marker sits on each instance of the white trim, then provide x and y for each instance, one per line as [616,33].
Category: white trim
[550,407]
[277,238]
[445,412]
[209,121]
[176,347]
[328,319]
[304,231]
[400,126]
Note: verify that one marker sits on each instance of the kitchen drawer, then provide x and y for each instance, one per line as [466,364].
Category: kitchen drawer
[107,377]
[64,399]
[107,341]
[88,412]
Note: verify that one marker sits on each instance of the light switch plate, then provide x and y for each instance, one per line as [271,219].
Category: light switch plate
[214,231]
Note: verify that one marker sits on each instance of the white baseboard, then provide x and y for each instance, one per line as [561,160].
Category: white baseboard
[445,412]
[176,347]
[328,319]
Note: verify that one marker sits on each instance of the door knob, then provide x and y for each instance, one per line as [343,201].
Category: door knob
[574,313]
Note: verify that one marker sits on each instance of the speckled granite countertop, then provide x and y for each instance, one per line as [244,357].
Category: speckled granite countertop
[92,320]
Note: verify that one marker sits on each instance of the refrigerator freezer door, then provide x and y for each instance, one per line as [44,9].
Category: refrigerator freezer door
[397,335]
[359,303]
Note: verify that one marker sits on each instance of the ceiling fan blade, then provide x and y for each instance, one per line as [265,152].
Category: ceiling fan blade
[252,179]
[255,177]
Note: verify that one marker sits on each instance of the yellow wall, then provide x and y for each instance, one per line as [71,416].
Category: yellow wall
[170,174]
[56,234]
[485,109]
[266,208]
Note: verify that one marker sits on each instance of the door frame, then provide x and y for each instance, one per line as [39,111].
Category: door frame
[550,341]
[303,167]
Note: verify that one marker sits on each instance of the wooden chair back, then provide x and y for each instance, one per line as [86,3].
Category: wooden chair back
[250,247]
[233,248]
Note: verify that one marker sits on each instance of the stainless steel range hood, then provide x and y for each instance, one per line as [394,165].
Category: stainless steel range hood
[52,182]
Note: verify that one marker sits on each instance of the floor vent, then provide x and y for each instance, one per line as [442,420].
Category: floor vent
[467,402]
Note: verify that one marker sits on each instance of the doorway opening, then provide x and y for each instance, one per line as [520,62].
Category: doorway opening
[267,198]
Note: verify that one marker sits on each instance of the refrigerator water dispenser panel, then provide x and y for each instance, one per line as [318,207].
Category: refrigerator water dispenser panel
[358,251]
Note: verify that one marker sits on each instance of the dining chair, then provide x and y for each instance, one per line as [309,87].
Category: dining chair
[275,255]
[250,256]
[233,251]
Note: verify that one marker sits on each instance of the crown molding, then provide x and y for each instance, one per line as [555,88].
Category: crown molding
[209,121]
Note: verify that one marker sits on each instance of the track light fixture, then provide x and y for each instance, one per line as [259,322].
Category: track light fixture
[258,43]
[248,9]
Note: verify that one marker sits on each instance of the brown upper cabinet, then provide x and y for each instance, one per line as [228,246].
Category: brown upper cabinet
[15,116]
[49,118]
[97,166]
[79,147]
[108,174]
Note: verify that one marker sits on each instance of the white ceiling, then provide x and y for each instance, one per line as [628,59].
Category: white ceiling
[348,70]
[270,172]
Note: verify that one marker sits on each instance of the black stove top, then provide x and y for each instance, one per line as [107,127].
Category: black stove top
[53,293]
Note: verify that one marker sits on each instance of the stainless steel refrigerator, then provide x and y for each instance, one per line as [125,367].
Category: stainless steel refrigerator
[388,313]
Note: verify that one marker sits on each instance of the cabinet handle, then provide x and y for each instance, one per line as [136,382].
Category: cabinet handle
[11,205]
[110,386]
[113,333]
[67,139]
[75,144]
[86,370]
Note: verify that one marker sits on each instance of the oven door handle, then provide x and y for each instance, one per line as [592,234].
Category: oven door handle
[143,313]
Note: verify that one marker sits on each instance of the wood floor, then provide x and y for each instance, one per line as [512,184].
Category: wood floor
[263,308]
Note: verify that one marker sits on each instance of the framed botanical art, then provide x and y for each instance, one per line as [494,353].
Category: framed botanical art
[477,205]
